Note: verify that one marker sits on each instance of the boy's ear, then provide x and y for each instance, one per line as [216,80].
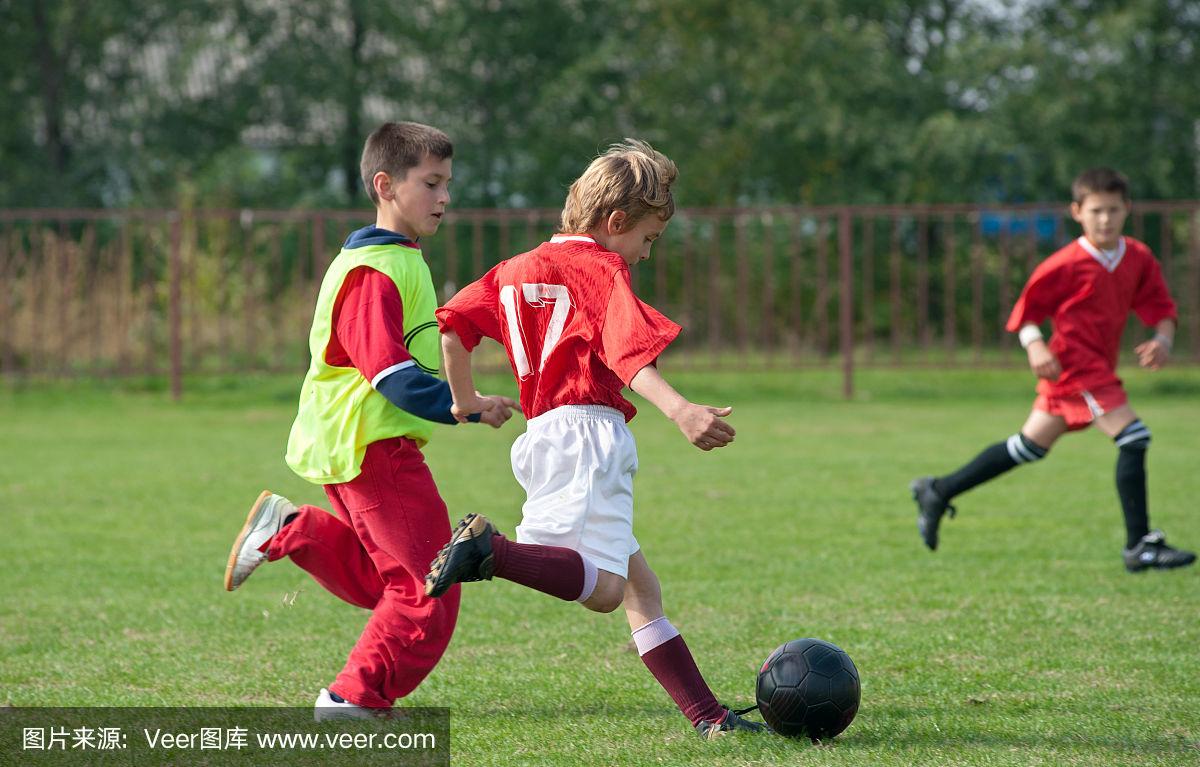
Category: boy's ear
[383,185]
[1076,210]
[617,221]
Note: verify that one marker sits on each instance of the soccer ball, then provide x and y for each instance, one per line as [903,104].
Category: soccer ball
[808,688]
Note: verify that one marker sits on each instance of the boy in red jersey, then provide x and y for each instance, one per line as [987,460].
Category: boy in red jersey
[1087,289]
[576,335]
[367,406]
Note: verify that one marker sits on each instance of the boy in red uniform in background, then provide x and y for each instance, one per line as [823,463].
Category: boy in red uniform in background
[367,406]
[1087,290]
[576,334]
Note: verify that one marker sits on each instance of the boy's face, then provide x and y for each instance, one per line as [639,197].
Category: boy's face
[415,204]
[1102,216]
[633,243]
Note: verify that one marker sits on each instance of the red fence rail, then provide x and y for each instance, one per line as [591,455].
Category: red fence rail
[154,292]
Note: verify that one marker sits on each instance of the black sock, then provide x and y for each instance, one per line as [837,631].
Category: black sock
[993,461]
[1131,480]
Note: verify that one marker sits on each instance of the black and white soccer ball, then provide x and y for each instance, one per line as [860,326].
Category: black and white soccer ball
[808,688]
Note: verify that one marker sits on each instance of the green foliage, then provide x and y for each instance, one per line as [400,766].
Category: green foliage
[251,103]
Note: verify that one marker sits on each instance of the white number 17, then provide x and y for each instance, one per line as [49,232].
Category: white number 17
[536,295]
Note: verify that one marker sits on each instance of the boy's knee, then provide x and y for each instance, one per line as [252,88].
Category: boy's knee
[1135,436]
[603,603]
[608,595]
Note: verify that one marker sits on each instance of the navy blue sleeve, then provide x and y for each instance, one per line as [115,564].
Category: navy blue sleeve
[425,396]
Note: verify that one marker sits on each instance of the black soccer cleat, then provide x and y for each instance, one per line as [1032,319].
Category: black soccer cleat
[467,557]
[1152,551]
[930,508]
[731,723]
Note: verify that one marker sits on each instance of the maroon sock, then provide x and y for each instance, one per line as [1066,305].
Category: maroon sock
[552,570]
[672,665]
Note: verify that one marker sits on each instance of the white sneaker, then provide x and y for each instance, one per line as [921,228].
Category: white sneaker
[327,708]
[266,517]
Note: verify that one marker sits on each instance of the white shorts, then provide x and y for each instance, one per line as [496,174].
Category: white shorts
[576,463]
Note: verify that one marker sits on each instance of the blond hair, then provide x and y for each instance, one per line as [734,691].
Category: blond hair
[394,147]
[632,177]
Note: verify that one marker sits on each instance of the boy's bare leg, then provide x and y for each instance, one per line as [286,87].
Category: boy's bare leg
[1114,421]
[1043,428]
[933,494]
[606,596]
[643,595]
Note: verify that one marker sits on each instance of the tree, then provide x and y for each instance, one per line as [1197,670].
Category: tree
[266,103]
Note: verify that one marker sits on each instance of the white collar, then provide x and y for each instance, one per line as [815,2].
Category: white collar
[572,238]
[1109,259]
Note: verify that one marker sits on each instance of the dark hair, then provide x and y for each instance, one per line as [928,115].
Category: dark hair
[1098,180]
[393,148]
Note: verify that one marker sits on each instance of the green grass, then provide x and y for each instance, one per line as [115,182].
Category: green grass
[1021,642]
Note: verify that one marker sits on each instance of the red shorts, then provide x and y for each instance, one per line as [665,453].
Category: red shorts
[1080,409]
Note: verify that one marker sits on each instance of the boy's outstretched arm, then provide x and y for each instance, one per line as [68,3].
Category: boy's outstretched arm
[493,410]
[701,424]
[1153,354]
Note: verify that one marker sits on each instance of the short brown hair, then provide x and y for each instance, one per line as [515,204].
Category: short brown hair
[394,147]
[631,176]
[1099,180]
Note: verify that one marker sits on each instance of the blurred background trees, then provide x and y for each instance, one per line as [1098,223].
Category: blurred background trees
[266,102]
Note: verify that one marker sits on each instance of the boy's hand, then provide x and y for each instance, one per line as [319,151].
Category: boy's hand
[1042,361]
[703,427]
[500,411]
[1152,354]
[493,410]
[476,404]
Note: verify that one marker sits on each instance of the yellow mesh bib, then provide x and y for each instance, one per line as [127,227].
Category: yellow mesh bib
[340,413]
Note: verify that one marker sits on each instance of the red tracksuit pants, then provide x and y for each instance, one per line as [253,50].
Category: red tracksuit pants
[390,524]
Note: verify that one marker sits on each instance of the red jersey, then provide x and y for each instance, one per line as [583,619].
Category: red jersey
[566,314]
[1088,294]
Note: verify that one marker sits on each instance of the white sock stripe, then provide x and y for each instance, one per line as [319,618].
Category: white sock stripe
[1036,451]
[653,634]
[589,579]
[1012,451]
[1141,432]
[1133,438]
[1017,450]
[1025,451]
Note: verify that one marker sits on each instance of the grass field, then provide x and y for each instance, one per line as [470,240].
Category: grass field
[1022,642]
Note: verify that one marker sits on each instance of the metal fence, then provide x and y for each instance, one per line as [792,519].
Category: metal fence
[153,292]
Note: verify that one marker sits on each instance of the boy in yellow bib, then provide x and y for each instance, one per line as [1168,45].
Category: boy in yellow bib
[367,406]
